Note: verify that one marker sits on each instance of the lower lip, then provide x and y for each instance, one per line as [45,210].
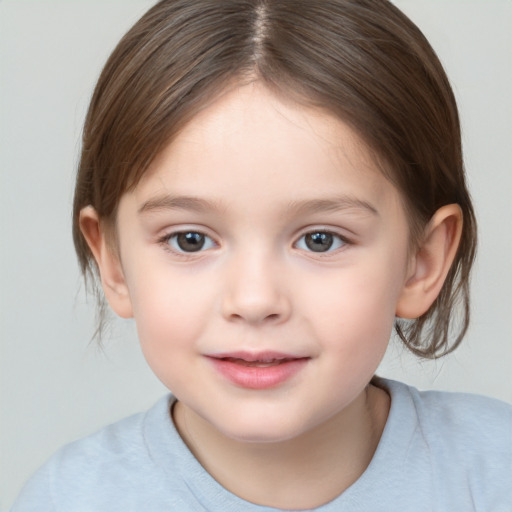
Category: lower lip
[258,377]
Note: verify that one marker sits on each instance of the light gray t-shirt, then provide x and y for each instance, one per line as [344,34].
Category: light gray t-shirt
[442,452]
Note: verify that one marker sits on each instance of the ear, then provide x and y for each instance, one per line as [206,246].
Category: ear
[109,264]
[431,262]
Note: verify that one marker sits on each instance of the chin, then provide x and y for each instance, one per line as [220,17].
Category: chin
[256,432]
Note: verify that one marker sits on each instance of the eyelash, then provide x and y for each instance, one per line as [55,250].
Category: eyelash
[167,239]
[341,241]
[338,240]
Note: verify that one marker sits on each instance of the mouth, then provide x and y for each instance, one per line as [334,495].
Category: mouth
[258,370]
[257,364]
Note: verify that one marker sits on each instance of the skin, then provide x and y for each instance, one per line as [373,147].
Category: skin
[264,170]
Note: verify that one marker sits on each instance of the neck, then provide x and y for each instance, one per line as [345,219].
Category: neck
[333,455]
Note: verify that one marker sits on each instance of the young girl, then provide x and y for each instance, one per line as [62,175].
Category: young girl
[269,187]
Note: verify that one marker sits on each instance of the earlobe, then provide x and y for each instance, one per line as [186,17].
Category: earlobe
[431,262]
[109,265]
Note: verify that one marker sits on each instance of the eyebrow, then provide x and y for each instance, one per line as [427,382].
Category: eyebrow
[339,203]
[334,204]
[169,202]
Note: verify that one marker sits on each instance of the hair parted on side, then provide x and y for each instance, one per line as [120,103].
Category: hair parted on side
[363,61]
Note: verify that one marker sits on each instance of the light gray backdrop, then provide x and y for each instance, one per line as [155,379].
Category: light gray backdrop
[55,386]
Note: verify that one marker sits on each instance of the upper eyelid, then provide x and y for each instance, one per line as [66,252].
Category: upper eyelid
[330,230]
[333,233]
[167,233]
[171,234]
[172,230]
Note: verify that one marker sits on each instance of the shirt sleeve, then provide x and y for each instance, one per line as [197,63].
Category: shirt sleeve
[37,494]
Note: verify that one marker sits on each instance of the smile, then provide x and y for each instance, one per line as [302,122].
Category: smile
[258,371]
[258,364]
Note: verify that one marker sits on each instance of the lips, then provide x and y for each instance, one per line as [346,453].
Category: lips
[256,364]
[258,370]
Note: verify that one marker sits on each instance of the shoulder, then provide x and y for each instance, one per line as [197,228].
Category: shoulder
[462,441]
[460,418]
[112,462]
[463,415]
[121,443]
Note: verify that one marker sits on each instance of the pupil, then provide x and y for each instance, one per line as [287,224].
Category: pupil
[190,242]
[319,242]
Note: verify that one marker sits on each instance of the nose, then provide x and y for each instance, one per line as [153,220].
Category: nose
[255,291]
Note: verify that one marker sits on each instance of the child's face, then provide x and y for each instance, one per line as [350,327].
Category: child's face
[297,250]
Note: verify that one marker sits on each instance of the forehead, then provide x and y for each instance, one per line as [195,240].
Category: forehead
[251,144]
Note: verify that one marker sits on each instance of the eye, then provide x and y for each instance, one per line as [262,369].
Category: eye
[320,241]
[189,241]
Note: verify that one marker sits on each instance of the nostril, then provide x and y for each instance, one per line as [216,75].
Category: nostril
[268,318]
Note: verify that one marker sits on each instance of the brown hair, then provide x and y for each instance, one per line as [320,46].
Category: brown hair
[362,60]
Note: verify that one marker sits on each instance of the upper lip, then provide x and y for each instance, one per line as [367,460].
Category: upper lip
[266,356]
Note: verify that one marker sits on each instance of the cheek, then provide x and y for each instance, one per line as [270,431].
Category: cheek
[356,310]
[169,311]
[355,336]
[169,324]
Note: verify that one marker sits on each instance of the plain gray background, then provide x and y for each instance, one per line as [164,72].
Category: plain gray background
[55,385]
